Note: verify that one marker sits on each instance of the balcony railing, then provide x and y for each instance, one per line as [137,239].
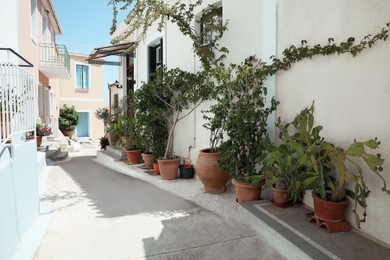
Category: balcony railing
[55,61]
[16,101]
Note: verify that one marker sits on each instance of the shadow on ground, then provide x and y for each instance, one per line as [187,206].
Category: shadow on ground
[113,194]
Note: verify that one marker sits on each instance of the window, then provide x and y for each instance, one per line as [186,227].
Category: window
[45,27]
[155,57]
[208,19]
[116,101]
[33,20]
[51,103]
[40,99]
[82,76]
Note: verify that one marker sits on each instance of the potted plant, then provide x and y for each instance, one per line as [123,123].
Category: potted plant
[180,92]
[209,172]
[186,168]
[41,131]
[128,126]
[68,120]
[153,129]
[329,168]
[242,107]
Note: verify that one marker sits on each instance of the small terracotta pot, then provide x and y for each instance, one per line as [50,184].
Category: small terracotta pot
[209,173]
[148,160]
[328,210]
[155,168]
[68,133]
[38,140]
[133,156]
[168,169]
[280,196]
[246,192]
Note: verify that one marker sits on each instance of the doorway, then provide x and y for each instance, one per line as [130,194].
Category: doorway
[83,126]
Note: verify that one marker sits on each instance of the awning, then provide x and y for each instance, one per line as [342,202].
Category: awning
[101,52]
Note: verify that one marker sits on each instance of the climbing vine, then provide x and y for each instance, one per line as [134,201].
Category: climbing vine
[145,13]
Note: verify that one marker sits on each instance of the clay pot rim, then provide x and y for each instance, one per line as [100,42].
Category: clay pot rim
[274,188]
[207,150]
[244,184]
[133,151]
[165,160]
[343,201]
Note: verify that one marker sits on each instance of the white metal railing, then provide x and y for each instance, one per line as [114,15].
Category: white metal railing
[16,102]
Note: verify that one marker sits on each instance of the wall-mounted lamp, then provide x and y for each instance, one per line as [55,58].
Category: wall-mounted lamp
[116,83]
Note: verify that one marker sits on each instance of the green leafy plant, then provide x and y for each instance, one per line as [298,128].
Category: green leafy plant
[69,118]
[242,109]
[103,143]
[153,128]
[329,168]
[43,129]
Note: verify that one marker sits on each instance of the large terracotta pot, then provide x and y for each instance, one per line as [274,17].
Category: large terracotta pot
[168,169]
[209,173]
[148,160]
[280,196]
[111,139]
[38,140]
[246,192]
[328,210]
[68,133]
[133,156]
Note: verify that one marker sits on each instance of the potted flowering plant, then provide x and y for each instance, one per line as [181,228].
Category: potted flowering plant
[186,168]
[42,130]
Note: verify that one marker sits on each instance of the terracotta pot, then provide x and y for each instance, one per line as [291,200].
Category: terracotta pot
[68,133]
[110,138]
[168,168]
[246,192]
[133,156]
[328,210]
[280,196]
[209,173]
[38,140]
[148,160]
[155,168]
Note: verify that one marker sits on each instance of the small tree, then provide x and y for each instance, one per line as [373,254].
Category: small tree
[69,118]
[179,92]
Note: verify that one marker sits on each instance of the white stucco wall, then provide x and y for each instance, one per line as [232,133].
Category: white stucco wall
[351,94]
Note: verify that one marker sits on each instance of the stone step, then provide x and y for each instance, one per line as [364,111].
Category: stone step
[117,150]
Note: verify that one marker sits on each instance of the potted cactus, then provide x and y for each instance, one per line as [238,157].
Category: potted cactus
[329,168]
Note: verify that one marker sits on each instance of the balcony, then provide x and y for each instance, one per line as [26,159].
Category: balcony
[54,61]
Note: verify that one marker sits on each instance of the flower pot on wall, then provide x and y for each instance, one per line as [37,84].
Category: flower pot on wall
[168,169]
[246,192]
[38,140]
[209,173]
[148,160]
[328,210]
[133,156]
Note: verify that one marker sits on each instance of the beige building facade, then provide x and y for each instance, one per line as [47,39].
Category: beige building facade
[84,90]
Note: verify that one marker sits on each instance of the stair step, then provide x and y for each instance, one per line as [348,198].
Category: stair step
[60,156]
[50,154]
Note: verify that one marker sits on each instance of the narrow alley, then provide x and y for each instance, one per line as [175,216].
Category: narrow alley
[99,213]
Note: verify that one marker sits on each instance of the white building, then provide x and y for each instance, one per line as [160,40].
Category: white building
[351,94]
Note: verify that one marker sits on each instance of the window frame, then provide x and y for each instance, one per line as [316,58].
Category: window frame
[34,21]
[216,13]
[88,87]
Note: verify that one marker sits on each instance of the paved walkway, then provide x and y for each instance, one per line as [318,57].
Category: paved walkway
[102,214]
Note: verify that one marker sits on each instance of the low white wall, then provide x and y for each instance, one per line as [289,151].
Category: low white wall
[19,199]
[351,94]
[8,227]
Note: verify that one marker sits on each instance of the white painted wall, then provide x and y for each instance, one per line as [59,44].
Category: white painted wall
[19,195]
[9,27]
[351,94]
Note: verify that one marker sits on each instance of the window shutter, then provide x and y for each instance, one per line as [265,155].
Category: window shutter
[79,76]
[161,52]
[152,61]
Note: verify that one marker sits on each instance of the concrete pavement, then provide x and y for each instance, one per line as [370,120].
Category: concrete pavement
[102,214]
